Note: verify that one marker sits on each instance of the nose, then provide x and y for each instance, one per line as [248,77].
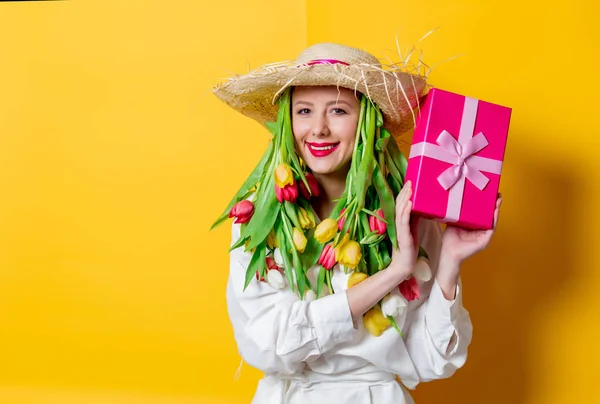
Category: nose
[320,127]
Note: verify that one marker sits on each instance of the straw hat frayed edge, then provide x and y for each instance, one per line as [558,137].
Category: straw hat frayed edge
[394,90]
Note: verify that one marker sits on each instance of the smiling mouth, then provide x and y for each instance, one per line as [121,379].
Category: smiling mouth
[321,149]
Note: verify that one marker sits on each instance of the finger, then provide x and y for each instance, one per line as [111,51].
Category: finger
[403,191]
[496,217]
[401,203]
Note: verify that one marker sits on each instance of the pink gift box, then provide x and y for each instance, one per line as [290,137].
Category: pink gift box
[456,159]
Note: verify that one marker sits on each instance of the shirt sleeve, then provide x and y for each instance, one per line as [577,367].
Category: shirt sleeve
[438,331]
[276,331]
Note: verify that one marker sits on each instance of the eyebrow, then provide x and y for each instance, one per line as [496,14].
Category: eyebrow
[328,104]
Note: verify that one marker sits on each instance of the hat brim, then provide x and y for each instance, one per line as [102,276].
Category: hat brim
[396,92]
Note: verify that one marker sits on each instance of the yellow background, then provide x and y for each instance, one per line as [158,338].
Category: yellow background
[115,158]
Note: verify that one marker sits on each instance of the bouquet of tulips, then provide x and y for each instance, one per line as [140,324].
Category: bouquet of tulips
[278,223]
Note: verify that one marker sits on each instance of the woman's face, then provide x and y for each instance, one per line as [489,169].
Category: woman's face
[324,121]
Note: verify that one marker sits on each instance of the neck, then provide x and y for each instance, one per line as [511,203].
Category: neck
[332,187]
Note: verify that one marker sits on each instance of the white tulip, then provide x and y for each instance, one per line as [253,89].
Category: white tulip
[277,257]
[275,279]
[310,295]
[422,271]
[393,305]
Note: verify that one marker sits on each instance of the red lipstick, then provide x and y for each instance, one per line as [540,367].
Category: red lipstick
[321,149]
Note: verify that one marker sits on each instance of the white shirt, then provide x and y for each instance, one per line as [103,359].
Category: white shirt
[310,351]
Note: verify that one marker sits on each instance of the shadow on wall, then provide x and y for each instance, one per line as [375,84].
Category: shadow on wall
[525,268]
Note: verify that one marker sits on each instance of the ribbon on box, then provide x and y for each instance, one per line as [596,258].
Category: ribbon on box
[461,154]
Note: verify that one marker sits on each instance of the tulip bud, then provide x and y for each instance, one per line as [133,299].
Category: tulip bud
[277,257]
[310,295]
[371,239]
[348,252]
[393,305]
[341,220]
[409,288]
[287,193]
[327,258]
[242,211]
[275,279]
[299,239]
[272,240]
[326,230]
[375,322]
[271,263]
[376,225]
[313,185]
[283,175]
[422,271]
[306,220]
[355,278]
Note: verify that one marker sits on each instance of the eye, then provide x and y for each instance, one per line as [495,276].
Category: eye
[338,111]
[303,111]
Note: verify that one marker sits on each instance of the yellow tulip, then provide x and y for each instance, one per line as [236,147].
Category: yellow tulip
[272,240]
[375,322]
[326,230]
[355,278]
[348,253]
[306,220]
[299,239]
[283,175]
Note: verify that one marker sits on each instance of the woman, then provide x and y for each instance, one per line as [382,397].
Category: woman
[329,298]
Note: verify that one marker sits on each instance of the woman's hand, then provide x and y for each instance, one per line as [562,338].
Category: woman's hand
[405,257]
[459,244]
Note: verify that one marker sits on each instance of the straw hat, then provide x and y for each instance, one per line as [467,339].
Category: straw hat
[395,91]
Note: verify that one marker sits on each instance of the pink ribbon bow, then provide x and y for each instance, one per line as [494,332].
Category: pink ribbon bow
[461,154]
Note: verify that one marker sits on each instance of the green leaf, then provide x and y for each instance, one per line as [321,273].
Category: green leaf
[290,210]
[328,276]
[311,253]
[301,280]
[387,203]
[257,258]
[393,169]
[264,216]
[272,127]
[394,185]
[374,214]
[250,182]
[383,140]
[372,239]
[349,221]
[395,325]
[320,281]
[397,159]
[379,116]
[385,256]
[284,249]
[240,242]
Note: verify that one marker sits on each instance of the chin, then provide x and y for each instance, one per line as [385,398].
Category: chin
[325,168]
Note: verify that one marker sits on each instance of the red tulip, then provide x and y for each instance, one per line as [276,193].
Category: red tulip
[271,264]
[341,220]
[313,185]
[409,288]
[242,211]
[327,258]
[376,225]
[287,193]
